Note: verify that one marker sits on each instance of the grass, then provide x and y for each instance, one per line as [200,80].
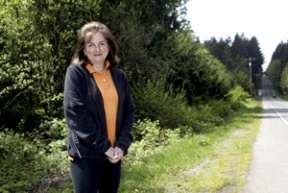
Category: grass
[200,163]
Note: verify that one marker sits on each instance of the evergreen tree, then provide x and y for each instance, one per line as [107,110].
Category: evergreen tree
[277,67]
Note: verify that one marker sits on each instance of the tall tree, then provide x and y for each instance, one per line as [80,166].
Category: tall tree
[277,66]
[240,46]
[257,59]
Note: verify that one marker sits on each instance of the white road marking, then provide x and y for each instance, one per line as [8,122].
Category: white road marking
[278,114]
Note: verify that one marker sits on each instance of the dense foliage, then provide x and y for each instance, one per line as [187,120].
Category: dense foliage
[180,86]
[278,68]
[236,55]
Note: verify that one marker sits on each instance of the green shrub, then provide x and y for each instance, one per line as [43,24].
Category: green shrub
[24,164]
[157,101]
[221,109]
[150,138]
[21,162]
[53,128]
[203,118]
[200,119]
[237,95]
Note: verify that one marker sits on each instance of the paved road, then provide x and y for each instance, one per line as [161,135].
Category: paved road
[268,171]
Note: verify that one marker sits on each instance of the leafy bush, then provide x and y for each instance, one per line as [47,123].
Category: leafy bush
[25,163]
[156,101]
[150,138]
[53,128]
[221,109]
[237,95]
[21,162]
[203,119]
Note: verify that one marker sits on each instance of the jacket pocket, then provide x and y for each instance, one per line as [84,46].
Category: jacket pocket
[74,142]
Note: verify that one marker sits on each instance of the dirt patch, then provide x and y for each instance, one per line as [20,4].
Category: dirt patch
[197,169]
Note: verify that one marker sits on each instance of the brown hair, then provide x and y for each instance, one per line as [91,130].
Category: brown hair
[85,35]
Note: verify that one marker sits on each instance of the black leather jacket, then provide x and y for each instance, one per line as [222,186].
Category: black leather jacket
[85,115]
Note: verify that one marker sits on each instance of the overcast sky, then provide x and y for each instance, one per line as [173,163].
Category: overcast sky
[265,19]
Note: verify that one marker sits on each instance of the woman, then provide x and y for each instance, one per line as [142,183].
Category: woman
[99,111]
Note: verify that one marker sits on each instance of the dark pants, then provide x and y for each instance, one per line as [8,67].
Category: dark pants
[93,175]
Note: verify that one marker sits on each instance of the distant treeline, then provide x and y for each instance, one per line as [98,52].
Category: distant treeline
[278,68]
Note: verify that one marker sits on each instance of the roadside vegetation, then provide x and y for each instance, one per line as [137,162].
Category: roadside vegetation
[159,161]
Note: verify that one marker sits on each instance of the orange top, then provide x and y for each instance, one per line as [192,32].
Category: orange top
[109,93]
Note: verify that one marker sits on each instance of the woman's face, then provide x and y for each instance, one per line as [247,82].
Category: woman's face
[97,49]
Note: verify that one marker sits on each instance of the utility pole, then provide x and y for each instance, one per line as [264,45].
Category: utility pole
[250,65]
[251,81]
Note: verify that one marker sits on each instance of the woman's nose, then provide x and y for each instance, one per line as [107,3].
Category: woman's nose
[97,48]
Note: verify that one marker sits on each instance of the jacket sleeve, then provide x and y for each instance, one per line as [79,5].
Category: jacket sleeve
[126,138]
[78,118]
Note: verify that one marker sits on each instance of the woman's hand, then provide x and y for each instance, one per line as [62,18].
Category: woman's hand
[119,154]
[114,155]
[110,153]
